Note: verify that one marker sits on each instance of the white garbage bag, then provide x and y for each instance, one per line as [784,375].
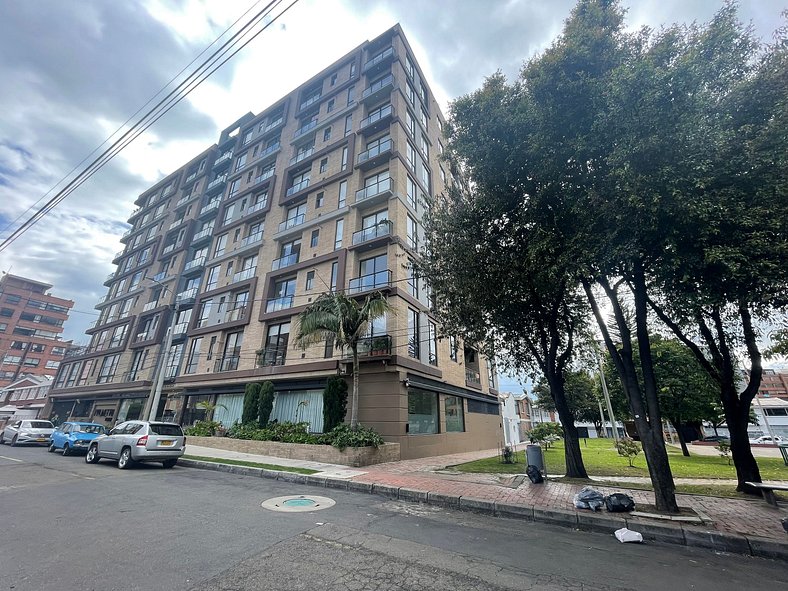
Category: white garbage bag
[625,535]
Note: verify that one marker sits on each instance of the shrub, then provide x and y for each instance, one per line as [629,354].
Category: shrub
[265,404]
[334,403]
[724,449]
[251,408]
[202,429]
[545,433]
[343,436]
[629,448]
[507,455]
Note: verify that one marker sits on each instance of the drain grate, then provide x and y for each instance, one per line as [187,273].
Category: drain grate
[298,503]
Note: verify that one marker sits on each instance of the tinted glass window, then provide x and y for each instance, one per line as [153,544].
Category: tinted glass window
[41,425]
[89,428]
[132,428]
[164,429]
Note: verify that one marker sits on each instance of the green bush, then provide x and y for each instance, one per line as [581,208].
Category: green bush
[202,429]
[265,404]
[343,436]
[629,448]
[251,408]
[545,433]
[334,403]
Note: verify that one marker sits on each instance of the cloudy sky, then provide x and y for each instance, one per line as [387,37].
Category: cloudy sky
[75,70]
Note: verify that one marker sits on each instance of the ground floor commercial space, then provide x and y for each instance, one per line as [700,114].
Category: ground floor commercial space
[425,416]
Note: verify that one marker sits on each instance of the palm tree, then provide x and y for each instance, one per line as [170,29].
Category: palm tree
[337,316]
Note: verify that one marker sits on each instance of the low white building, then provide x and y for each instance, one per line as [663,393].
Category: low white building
[772,415]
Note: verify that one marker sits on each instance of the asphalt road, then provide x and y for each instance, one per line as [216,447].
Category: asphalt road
[66,525]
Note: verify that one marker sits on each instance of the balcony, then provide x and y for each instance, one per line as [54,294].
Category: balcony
[379,280]
[302,156]
[202,234]
[244,274]
[168,249]
[281,303]
[375,192]
[161,276]
[379,230]
[375,156]
[251,240]
[118,254]
[271,356]
[144,336]
[102,299]
[297,187]
[190,178]
[210,207]
[150,306]
[194,265]
[310,101]
[185,199]
[186,296]
[275,123]
[227,363]
[292,222]
[109,278]
[267,174]
[285,261]
[235,314]
[256,207]
[175,224]
[223,160]
[378,90]
[305,128]
[179,330]
[374,346]
[377,120]
[216,185]
[127,233]
[473,378]
[379,62]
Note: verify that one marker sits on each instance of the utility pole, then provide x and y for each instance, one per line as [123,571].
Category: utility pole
[159,382]
[602,417]
[606,394]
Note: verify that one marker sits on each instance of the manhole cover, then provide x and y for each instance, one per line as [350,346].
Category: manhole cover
[298,503]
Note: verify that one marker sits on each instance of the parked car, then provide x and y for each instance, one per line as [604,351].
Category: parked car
[766,439]
[27,431]
[139,441]
[716,438]
[74,437]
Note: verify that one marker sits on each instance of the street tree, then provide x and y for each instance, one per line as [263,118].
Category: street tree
[344,319]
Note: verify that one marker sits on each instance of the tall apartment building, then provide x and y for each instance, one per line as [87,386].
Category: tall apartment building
[31,322]
[321,191]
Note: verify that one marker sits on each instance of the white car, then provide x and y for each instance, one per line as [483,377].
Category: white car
[28,431]
[765,439]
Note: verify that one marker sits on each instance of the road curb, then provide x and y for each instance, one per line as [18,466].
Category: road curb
[676,535]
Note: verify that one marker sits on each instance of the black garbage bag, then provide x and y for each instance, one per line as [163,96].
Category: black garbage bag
[588,498]
[785,524]
[534,474]
[619,503]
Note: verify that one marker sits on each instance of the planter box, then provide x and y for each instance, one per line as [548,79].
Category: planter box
[328,454]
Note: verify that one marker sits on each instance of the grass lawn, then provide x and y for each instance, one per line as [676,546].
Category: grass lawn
[251,464]
[601,459]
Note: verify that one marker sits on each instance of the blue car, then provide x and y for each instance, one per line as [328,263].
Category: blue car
[74,437]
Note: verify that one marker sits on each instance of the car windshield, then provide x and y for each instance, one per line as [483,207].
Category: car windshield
[165,429]
[41,425]
[88,428]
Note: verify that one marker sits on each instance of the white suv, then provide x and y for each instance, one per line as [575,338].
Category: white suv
[139,441]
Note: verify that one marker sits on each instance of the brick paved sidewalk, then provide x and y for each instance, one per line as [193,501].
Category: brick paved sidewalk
[745,517]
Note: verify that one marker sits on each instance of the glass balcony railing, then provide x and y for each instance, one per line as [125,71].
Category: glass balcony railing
[382,228]
[175,224]
[377,86]
[373,189]
[227,363]
[266,174]
[310,101]
[244,274]
[376,116]
[305,128]
[210,206]
[374,346]
[194,264]
[191,177]
[302,156]
[204,233]
[275,123]
[280,303]
[292,222]
[382,148]
[298,187]
[269,150]
[180,328]
[188,294]
[270,356]
[149,306]
[251,239]
[235,314]
[378,280]
[161,276]
[379,58]
[285,261]
[223,158]
[256,207]
[215,183]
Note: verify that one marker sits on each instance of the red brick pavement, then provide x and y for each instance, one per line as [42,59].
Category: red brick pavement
[745,517]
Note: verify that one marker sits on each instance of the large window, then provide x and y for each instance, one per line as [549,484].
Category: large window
[433,342]
[108,367]
[194,356]
[422,412]
[413,334]
[455,418]
[276,341]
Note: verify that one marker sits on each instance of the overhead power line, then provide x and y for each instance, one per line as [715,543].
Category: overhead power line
[204,71]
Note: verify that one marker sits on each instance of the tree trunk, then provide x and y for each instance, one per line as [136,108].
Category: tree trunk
[575,468]
[677,426]
[354,399]
[738,417]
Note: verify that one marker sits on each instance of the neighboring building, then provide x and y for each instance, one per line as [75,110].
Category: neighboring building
[28,395]
[321,191]
[772,415]
[774,384]
[31,322]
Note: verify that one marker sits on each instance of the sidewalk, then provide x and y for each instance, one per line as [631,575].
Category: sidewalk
[743,526]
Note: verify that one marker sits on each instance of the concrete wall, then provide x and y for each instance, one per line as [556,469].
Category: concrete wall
[351,456]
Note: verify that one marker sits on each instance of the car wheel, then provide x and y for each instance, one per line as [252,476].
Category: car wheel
[13,441]
[2,441]
[92,457]
[125,461]
[66,450]
[51,448]
[169,463]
